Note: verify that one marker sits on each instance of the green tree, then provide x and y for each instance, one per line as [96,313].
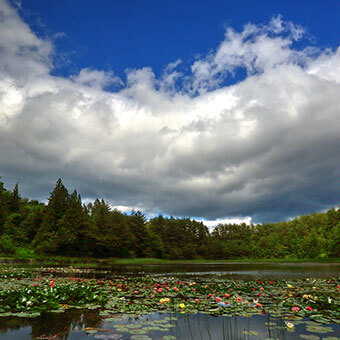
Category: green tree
[73,226]
[15,200]
[46,239]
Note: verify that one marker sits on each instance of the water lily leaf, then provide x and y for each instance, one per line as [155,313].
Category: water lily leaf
[250,333]
[309,337]
[319,329]
[5,314]
[122,329]
[90,330]
[137,331]
[140,337]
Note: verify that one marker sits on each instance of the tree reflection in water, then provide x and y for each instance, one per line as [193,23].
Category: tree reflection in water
[53,325]
[72,324]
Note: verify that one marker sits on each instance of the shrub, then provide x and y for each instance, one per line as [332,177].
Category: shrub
[6,244]
[24,254]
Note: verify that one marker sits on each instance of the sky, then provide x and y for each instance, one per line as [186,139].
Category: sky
[217,110]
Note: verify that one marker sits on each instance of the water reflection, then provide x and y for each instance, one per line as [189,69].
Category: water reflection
[49,325]
[237,271]
[71,325]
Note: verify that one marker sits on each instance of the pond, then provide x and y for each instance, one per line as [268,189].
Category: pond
[89,325]
[233,270]
[167,302]
[244,271]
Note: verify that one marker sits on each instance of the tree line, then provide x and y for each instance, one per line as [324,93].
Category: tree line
[66,226]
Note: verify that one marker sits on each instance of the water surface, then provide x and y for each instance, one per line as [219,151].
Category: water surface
[72,325]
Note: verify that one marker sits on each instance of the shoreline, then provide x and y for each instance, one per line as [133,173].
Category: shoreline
[155,261]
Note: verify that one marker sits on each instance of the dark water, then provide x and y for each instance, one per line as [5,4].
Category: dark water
[235,270]
[243,271]
[71,325]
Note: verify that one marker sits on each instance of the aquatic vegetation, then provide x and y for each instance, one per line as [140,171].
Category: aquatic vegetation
[43,291]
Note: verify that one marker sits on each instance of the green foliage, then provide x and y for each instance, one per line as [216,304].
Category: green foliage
[24,254]
[66,227]
[6,244]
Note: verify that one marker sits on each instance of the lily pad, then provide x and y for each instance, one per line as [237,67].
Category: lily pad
[254,333]
[309,337]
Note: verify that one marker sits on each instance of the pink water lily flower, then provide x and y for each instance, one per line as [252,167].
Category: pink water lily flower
[295,309]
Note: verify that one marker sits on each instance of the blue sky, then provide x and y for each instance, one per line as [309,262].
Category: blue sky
[133,34]
[211,109]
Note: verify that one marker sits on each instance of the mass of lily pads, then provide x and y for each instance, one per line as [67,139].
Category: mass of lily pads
[30,293]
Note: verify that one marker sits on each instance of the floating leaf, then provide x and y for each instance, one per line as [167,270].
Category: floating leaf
[250,333]
[309,337]
[319,329]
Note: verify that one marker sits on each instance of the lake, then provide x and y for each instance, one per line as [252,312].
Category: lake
[170,325]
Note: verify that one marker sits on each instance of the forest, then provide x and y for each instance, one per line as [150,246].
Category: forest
[65,226]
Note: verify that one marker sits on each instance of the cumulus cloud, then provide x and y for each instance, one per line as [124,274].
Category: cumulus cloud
[96,79]
[266,148]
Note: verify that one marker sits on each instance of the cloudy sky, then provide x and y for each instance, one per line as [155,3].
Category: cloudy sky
[208,111]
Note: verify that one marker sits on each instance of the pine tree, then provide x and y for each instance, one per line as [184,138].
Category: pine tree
[57,203]
[4,205]
[46,239]
[137,224]
[15,200]
[73,227]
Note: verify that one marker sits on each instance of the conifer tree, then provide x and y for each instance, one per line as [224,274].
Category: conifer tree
[46,239]
[137,224]
[73,227]
[15,200]
[58,201]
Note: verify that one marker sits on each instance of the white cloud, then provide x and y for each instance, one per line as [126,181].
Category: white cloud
[265,148]
[211,224]
[96,79]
